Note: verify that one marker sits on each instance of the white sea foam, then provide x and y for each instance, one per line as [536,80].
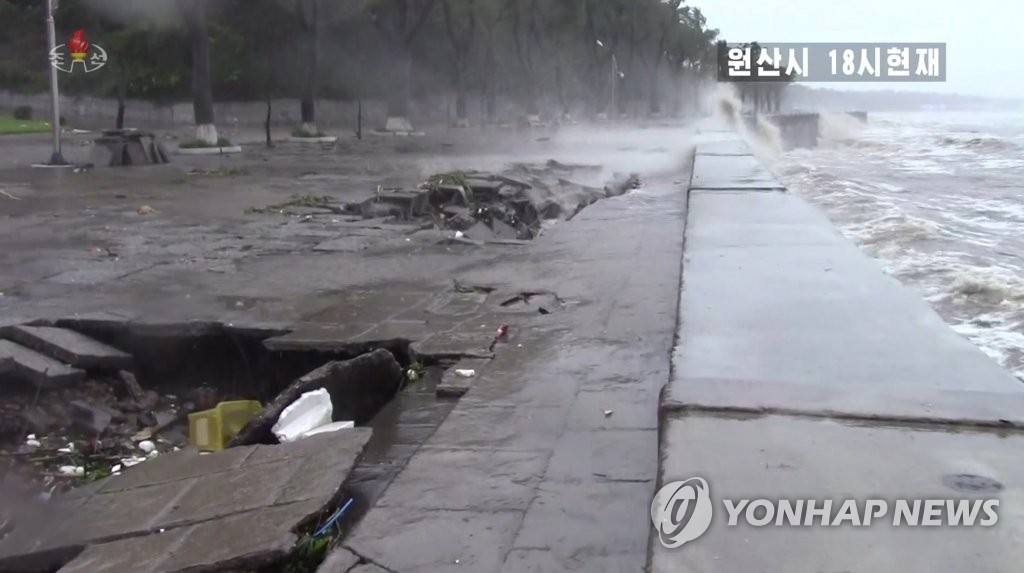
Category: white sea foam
[938,205]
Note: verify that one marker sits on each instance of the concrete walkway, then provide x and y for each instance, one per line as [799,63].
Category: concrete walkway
[548,462]
[804,372]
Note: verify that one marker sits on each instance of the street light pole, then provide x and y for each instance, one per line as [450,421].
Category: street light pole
[51,40]
[615,80]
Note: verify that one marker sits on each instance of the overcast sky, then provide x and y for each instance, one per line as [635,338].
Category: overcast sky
[979,34]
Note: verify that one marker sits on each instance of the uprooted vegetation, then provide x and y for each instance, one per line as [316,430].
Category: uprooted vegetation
[478,206]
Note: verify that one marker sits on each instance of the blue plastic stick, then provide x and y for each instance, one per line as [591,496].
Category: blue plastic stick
[334,518]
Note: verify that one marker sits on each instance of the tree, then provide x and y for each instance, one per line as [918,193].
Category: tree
[194,12]
[399,21]
[531,53]
[460,23]
[308,13]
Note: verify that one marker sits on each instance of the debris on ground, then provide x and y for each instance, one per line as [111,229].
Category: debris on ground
[222,172]
[146,210]
[323,203]
[355,387]
[211,428]
[476,207]
[69,452]
[310,411]
[60,436]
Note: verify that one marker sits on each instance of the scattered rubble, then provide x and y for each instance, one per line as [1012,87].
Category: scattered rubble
[477,207]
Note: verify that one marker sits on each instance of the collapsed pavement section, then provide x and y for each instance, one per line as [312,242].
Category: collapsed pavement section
[187,511]
[802,371]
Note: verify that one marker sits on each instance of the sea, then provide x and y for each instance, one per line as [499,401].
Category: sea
[938,199]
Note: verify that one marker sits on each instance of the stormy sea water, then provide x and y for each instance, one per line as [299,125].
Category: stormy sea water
[938,199]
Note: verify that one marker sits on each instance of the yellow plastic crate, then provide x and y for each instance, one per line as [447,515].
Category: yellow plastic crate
[211,430]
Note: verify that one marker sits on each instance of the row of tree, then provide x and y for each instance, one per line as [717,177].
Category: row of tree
[552,56]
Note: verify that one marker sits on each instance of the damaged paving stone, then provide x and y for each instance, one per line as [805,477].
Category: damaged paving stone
[234,508]
[456,345]
[358,389]
[70,347]
[43,371]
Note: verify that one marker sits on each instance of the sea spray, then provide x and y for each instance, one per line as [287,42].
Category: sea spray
[769,137]
[838,127]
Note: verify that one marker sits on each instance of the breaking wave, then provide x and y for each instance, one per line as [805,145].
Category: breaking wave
[939,208]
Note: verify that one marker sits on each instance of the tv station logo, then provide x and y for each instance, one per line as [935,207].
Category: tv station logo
[829,62]
[78,54]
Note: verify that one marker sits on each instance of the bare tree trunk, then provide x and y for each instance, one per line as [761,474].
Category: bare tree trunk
[266,123]
[122,88]
[310,19]
[398,97]
[202,92]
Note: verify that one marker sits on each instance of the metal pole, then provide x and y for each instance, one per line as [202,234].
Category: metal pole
[51,40]
[614,111]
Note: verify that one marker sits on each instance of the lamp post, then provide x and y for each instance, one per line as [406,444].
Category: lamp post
[51,39]
[615,80]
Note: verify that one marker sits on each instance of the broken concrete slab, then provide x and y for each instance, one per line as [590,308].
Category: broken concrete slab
[456,344]
[213,492]
[358,389]
[243,542]
[70,347]
[454,382]
[41,370]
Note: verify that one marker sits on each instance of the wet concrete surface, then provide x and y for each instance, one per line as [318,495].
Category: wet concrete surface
[846,337]
[778,457]
[802,371]
[528,472]
[607,281]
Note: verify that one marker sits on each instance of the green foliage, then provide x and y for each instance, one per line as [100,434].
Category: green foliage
[309,553]
[9,125]
[22,112]
[450,178]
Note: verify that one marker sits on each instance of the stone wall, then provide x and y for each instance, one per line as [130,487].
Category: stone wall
[89,111]
[93,112]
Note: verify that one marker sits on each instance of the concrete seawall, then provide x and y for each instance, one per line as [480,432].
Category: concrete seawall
[803,371]
[797,130]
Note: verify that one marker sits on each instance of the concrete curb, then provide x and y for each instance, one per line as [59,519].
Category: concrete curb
[208,150]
